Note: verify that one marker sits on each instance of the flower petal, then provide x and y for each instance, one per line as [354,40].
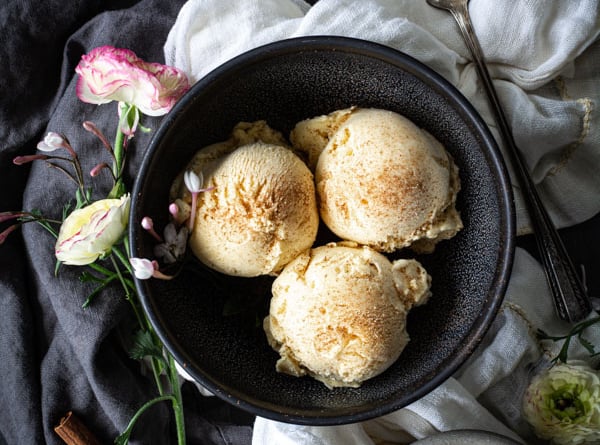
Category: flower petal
[90,232]
[109,73]
[52,141]
[193,181]
[563,404]
[143,269]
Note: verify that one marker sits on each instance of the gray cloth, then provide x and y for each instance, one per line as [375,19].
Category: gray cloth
[56,356]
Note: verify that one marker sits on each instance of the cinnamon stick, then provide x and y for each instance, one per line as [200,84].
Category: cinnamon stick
[73,432]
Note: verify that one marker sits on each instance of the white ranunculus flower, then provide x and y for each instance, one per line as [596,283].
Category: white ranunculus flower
[90,232]
[563,404]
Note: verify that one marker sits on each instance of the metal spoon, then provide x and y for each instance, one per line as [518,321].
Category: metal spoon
[570,298]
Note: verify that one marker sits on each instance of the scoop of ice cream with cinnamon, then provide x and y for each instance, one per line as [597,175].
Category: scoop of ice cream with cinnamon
[261,212]
[338,313]
[381,180]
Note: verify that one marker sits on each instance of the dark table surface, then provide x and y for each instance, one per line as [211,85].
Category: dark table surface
[583,244]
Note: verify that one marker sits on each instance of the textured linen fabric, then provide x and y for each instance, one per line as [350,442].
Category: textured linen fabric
[54,355]
[543,57]
[535,51]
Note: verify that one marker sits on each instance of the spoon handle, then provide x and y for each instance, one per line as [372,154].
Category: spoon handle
[571,301]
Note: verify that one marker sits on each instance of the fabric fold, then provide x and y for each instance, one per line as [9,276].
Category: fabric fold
[532,60]
[543,57]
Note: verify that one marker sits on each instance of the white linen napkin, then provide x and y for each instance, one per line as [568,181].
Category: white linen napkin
[485,393]
[544,57]
[536,51]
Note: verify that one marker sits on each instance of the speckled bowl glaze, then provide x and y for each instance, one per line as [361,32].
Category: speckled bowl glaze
[211,322]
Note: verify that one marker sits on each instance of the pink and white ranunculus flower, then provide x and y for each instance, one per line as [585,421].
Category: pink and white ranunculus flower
[108,73]
[90,232]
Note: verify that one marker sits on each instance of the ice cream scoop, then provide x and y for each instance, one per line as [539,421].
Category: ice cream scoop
[312,135]
[381,180]
[338,312]
[243,133]
[261,212]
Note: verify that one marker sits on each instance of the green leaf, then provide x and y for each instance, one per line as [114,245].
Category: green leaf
[86,277]
[80,199]
[56,268]
[103,283]
[122,439]
[144,346]
[144,129]
[118,190]
[575,332]
[563,355]
[66,210]
[586,344]
[542,335]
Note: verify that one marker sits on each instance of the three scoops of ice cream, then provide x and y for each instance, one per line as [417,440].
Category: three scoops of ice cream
[378,182]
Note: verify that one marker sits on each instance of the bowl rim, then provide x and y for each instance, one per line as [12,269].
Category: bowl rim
[495,159]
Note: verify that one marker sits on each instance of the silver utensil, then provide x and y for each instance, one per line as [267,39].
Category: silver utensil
[570,298]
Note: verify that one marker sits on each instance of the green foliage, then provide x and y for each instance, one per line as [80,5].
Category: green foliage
[577,333]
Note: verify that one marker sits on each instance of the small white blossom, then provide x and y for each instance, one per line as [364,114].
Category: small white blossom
[193,181]
[52,141]
[174,246]
[143,269]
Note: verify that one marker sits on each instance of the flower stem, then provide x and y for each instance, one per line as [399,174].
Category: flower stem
[177,401]
[133,303]
[119,152]
[96,291]
[126,246]
[142,319]
[124,261]
[577,333]
[103,270]
[46,225]
[124,436]
[119,156]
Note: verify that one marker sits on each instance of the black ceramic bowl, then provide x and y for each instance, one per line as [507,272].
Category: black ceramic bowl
[208,321]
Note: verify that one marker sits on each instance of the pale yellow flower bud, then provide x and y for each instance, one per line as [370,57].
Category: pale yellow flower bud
[90,232]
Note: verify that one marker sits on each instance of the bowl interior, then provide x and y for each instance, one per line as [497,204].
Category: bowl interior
[211,322]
